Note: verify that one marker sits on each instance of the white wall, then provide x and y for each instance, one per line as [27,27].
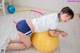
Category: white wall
[55,5]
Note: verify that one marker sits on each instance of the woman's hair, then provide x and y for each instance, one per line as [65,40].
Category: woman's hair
[68,11]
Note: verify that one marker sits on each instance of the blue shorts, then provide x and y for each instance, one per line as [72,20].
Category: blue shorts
[23,27]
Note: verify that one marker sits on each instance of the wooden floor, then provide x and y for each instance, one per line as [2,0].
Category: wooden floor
[69,44]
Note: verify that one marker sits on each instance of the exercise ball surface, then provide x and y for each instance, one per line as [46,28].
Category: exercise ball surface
[11,9]
[43,42]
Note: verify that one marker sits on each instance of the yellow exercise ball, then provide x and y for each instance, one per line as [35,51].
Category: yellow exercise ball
[42,41]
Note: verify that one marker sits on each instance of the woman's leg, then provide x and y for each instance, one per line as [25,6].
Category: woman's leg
[16,40]
[16,46]
[26,40]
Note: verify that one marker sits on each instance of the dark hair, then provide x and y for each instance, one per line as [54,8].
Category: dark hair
[68,11]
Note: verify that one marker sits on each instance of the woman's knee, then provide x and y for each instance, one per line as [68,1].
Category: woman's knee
[28,45]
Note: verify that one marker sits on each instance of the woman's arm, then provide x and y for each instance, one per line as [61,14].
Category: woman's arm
[52,33]
[57,31]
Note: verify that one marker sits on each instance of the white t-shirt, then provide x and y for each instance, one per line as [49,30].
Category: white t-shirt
[45,22]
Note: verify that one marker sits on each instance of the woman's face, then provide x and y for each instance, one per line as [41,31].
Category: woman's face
[64,17]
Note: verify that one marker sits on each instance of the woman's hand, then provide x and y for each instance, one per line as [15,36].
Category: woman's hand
[58,32]
[64,34]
